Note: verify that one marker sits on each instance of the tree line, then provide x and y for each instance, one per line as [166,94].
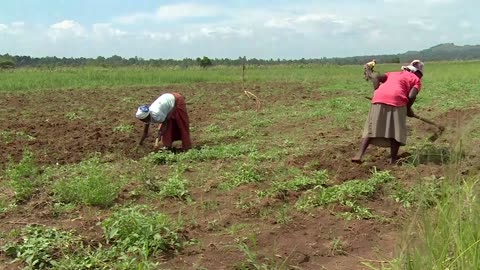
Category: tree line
[447,51]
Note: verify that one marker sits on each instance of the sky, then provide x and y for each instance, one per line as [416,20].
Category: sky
[286,29]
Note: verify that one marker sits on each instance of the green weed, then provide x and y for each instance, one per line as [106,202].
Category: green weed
[243,174]
[346,194]
[206,153]
[172,185]
[72,116]
[24,177]
[87,183]
[41,246]
[123,128]
[254,261]
[139,230]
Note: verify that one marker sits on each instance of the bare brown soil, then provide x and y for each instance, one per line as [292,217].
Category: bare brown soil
[307,241]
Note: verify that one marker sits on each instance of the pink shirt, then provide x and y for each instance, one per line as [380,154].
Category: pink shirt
[394,91]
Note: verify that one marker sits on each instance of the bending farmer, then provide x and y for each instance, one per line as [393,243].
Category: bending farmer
[392,101]
[170,112]
[368,70]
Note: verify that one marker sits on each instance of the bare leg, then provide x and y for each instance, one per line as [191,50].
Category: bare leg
[365,142]
[394,147]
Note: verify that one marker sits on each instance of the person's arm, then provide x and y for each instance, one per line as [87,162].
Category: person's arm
[412,95]
[377,80]
[145,133]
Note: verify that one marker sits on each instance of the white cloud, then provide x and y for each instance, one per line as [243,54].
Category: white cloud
[66,29]
[133,18]
[465,24]
[18,24]
[215,32]
[3,27]
[427,26]
[170,13]
[106,30]
[158,36]
[185,10]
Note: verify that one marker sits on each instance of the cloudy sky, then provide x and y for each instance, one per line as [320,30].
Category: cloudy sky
[231,28]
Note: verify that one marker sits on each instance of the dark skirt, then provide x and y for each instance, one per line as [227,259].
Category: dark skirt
[177,125]
[386,122]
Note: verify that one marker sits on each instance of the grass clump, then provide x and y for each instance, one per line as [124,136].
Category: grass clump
[87,183]
[139,230]
[123,128]
[301,182]
[346,194]
[174,185]
[40,246]
[206,153]
[23,177]
[242,174]
[253,260]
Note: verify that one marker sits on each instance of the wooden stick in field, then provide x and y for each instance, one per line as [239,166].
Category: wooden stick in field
[255,98]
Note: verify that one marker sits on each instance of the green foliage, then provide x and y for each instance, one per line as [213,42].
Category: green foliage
[173,185]
[446,236]
[302,182]
[428,152]
[87,183]
[139,230]
[103,259]
[347,194]
[40,247]
[123,128]
[204,62]
[423,194]
[252,259]
[242,174]
[206,153]
[23,177]
[6,64]
[72,116]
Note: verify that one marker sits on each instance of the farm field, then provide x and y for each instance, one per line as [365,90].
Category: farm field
[267,189]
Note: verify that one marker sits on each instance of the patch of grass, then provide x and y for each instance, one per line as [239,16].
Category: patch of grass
[428,152]
[72,116]
[445,236]
[254,261]
[173,185]
[40,247]
[423,194]
[301,182]
[87,183]
[123,128]
[337,247]
[282,215]
[346,194]
[61,208]
[139,230]
[8,136]
[206,153]
[6,205]
[209,205]
[243,173]
[23,177]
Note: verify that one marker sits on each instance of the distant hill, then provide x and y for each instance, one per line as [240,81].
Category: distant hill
[441,52]
[445,52]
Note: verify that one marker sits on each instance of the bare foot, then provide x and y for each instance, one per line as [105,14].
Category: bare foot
[357,160]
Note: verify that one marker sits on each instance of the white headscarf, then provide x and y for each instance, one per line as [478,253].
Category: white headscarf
[142,112]
[415,65]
